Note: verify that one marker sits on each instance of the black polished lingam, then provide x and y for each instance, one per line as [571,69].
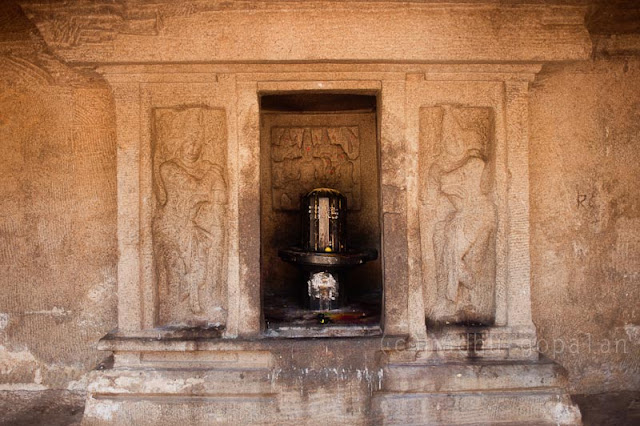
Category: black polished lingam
[324,253]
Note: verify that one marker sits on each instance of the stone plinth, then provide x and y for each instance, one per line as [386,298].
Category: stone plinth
[174,377]
[199,380]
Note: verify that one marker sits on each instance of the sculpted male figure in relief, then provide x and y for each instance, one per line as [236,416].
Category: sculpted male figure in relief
[189,226]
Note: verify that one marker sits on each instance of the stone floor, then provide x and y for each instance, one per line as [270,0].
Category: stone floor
[53,408]
[614,408]
[50,408]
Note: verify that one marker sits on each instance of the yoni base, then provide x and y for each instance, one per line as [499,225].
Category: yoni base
[475,392]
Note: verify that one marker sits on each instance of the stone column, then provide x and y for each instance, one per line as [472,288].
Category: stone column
[127,101]
[394,214]
[247,298]
[519,263]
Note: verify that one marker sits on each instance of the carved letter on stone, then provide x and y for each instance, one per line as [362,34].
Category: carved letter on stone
[189,225]
[457,214]
[304,158]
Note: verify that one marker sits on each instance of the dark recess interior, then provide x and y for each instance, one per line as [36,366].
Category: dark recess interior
[283,285]
[317,102]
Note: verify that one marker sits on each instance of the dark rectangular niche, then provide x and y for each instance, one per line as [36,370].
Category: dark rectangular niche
[317,140]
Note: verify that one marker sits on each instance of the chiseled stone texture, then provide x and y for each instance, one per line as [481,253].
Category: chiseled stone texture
[58,181]
[57,223]
[585,220]
[196,31]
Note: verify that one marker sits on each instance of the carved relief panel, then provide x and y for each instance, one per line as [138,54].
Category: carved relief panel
[458,215]
[190,217]
[303,158]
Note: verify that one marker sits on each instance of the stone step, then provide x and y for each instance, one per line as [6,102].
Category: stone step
[475,408]
[453,377]
[173,410]
[182,382]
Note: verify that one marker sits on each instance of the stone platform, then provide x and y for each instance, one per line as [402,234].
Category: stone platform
[189,380]
[219,381]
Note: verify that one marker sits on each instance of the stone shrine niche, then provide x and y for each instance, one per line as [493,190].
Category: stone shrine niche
[303,158]
[458,216]
[312,140]
[190,217]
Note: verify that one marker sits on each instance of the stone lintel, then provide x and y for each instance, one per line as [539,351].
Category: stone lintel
[206,73]
[380,31]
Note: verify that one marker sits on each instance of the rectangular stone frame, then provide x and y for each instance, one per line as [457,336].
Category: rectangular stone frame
[212,56]
[400,96]
[505,90]
[136,94]
[389,88]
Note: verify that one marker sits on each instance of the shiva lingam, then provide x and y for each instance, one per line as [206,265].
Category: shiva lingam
[324,254]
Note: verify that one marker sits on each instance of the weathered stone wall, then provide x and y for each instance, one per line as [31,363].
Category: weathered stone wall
[57,222]
[585,220]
